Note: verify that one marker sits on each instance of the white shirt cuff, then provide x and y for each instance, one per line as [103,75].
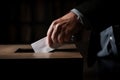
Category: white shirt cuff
[79,14]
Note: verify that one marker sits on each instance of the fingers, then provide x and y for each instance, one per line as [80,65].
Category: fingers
[67,38]
[49,40]
[61,37]
[60,31]
[64,35]
[49,33]
[56,33]
[53,32]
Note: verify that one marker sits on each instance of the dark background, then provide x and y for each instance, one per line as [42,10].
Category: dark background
[25,21]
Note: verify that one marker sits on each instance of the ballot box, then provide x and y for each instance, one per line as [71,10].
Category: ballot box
[64,62]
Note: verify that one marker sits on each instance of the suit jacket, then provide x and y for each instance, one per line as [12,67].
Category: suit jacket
[100,14]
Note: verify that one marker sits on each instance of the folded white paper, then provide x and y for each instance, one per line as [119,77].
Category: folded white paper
[41,46]
[107,39]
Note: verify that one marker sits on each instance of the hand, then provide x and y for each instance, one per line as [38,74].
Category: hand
[62,29]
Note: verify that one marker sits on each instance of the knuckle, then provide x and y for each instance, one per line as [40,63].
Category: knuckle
[54,22]
[58,25]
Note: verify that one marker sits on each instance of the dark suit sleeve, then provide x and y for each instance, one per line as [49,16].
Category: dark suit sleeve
[100,12]
[89,6]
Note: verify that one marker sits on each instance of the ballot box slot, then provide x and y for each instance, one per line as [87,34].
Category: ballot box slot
[29,50]
[24,50]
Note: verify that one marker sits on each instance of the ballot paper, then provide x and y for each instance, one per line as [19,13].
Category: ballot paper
[41,46]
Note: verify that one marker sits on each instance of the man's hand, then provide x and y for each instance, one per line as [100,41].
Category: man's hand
[62,29]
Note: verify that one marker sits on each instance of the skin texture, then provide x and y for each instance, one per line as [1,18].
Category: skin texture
[61,29]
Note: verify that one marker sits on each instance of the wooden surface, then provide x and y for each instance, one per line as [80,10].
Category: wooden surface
[64,63]
[66,51]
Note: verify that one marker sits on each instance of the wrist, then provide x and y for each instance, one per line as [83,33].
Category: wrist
[78,14]
[74,15]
